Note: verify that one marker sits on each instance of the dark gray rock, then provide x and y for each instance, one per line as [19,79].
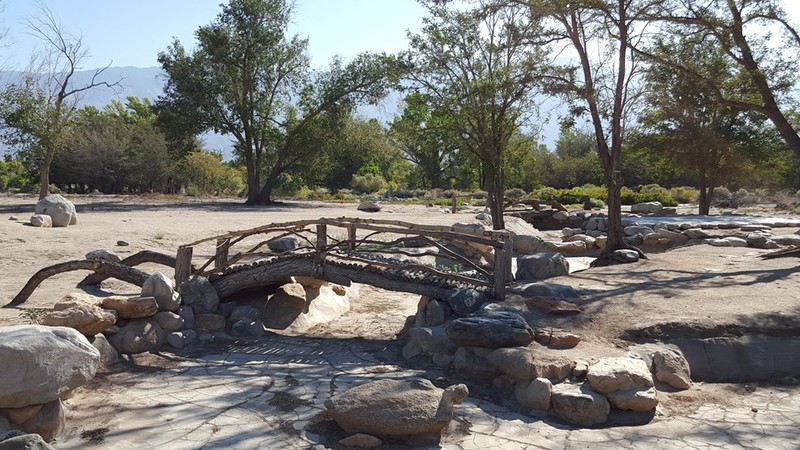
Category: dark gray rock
[284,244]
[471,363]
[540,266]
[138,336]
[187,314]
[464,302]
[200,294]
[18,440]
[492,329]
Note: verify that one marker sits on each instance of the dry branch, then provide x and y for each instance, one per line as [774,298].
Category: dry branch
[144,256]
[109,269]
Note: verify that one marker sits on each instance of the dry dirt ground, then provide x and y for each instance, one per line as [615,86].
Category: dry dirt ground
[690,291]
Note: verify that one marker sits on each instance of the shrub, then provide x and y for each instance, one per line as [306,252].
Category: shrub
[13,175]
[368,183]
[630,197]
[685,194]
[515,193]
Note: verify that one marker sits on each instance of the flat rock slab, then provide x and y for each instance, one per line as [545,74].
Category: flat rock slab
[553,306]
[492,329]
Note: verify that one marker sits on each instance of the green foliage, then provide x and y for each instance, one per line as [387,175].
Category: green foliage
[13,175]
[205,173]
[369,183]
[684,194]
[630,197]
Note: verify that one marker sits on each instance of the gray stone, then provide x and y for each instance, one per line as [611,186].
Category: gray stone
[544,289]
[471,363]
[632,230]
[671,367]
[102,255]
[87,319]
[180,339]
[579,405]
[560,216]
[226,308]
[198,293]
[369,207]
[717,242]
[464,302]
[138,336]
[674,237]
[61,210]
[619,374]
[755,227]
[48,423]
[285,306]
[162,288]
[591,242]
[788,239]
[23,441]
[395,407]
[248,327]
[527,244]
[436,313]
[41,221]
[625,256]
[656,240]
[541,266]
[696,233]
[40,363]
[108,354]
[636,239]
[431,341]
[361,440]
[209,323]
[634,400]
[534,395]
[169,321]
[187,314]
[244,312]
[760,240]
[284,244]
[735,241]
[567,248]
[492,329]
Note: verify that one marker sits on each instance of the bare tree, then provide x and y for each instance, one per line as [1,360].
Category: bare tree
[39,109]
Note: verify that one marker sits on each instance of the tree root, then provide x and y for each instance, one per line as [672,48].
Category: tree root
[108,269]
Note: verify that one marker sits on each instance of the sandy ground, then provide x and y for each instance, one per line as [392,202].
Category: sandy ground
[690,291]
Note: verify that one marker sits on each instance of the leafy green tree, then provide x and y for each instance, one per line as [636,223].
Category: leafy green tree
[478,78]
[38,111]
[247,79]
[206,174]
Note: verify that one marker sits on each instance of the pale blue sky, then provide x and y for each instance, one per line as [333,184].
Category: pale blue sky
[132,32]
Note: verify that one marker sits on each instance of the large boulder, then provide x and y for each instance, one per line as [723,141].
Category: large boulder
[567,248]
[162,288]
[22,441]
[672,368]
[525,364]
[579,405]
[535,395]
[38,363]
[431,341]
[48,422]
[471,363]
[285,306]
[131,307]
[87,319]
[60,210]
[647,208]
[619,374]
[492,329]
[138,336]
[369,207]
[198,293]
[395,407]
[540,266]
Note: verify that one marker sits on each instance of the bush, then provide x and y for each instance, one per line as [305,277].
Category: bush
[630,197]
[368,183]
[13,175]
[515,193]
[685,194]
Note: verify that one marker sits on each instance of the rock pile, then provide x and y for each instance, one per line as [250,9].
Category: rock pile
[54,211]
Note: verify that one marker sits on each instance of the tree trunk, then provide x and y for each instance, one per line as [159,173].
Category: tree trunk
[44,176]
[614,230]
[265,194]
[494,188]
[706,191]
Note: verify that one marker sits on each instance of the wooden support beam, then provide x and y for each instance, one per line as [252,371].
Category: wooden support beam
[455,204]
[183,265]
[222,252]
[502,269]
[351,237]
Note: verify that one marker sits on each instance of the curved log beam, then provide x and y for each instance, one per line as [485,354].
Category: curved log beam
[144,256]
[109,269]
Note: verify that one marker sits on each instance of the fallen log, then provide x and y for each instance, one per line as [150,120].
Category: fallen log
[109,269]
[144,256]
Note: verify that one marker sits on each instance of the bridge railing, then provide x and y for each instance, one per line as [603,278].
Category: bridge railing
[375,242]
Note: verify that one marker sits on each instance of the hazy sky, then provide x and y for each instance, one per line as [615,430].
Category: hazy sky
[132,32]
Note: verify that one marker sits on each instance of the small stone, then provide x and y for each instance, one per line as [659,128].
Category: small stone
[169,321]
[162,288]
[284,244]
[41,221]
[122,244]
[361,440]
[634,400]
[371,207]
[102,255]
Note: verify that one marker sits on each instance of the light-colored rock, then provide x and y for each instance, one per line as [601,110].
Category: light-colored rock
[655,240]
[541,266]
[567,248]
[433,313]
[41,221]
[601,241]
[131,307]
[647,208]
[138,336]
[20,415]
[369,207]
[625,256]
[696,233]
[718,242]
[632,230]
[590,241]
[162,288]
[361,440]
[48,423]
[579,405]
[38,363]
[198,293]
[395,407]
[285,306]
[761,240]
[788,239]
[735,241]
[635,400]
[755,227]
[102,255]
[560,216]
[61,210]
[169,321]
[527,244]
[525,364]
[619,374]
[534,395]
[108,354]
[674,237]
[557,339]
[88,320]
[671,367]
[76,299]
[519,227]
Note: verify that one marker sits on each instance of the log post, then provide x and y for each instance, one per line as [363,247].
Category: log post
[183,265]
[455,204]
[222,252]
[322,244]
[502,268]
[351,237]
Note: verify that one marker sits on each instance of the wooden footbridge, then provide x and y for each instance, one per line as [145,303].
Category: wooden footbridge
[382,253]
